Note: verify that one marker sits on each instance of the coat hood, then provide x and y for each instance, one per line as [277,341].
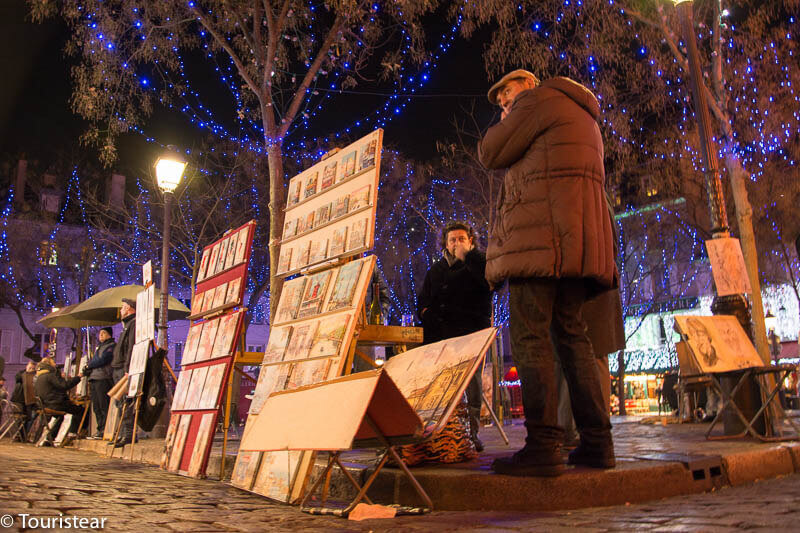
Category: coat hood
[577,93]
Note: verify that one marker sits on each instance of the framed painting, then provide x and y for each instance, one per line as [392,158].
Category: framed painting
[329,336]
[718,343]
[300,343]
[358,234]
[344,287]
[314,293]
[276,346]
[289,303]
[192,400]
[212,386]
[181,388]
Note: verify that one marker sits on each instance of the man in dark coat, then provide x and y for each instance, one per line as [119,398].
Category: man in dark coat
[552,240]
[24,395]
[120,362]
[52,389]
[455,301]
[100,377]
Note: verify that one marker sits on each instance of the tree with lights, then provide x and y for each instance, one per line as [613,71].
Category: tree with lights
[629,54]
[278,62]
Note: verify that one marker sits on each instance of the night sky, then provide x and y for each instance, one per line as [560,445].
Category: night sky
[35,115]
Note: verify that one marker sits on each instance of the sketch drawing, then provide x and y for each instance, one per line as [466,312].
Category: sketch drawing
[291,295]
[727,266]
[345,286]
[300,343]
[358,234]
[192,342]
[323,215]
[718,343]
[314,294]
[219,295]
[300,258]
[329,336]
[195,392]
[368,155]
[349,164]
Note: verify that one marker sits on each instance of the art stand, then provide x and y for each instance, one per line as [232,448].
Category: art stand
[135,422]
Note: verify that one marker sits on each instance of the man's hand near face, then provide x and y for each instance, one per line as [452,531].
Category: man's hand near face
[459,243]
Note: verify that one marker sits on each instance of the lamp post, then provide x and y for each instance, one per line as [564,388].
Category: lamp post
[771,321]
[169,171]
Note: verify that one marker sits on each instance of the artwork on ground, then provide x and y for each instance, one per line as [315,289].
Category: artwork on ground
[181,389]
[289,302]
[302,337]
[205,433]
[212,386]
[727,266]
[433,377]
[345,286]
[63,429]
[276,474]
[278,341]
[314,293]
[169,440]
[718,343]
[329,336]
[245,469]
[176,454]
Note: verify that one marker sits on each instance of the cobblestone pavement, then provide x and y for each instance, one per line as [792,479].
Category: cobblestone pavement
[46,482]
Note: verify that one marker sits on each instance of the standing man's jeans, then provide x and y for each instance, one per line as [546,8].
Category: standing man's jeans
[537,305]
[99,391]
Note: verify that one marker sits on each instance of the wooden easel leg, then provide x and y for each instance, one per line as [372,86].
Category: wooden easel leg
[118,427]
[362,494]
[83,417]
[135,423]
[494,419]
[310,492]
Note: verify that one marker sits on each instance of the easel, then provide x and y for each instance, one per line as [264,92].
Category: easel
[399,337]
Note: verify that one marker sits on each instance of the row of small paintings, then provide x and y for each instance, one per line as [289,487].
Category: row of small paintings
[224,254]
[198,388]
[175,443]
[312,347]
[145,315]
[228,293]
[309,183]
[331,211]
[211,339]
[305,296]
[342,239]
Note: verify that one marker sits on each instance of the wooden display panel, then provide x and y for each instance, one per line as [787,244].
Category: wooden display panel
[331,208]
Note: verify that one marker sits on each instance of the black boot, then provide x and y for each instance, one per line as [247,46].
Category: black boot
[595,457]
[531,462]
[474,425]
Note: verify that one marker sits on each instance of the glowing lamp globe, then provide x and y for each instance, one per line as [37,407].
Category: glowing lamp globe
[770,321]
[169,171]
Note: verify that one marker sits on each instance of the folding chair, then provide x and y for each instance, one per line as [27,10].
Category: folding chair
[768,389]
[13,421]
[45,414]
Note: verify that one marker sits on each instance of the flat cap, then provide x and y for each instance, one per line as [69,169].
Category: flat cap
[519,74]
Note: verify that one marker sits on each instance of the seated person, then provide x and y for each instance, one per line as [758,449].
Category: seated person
[52,388]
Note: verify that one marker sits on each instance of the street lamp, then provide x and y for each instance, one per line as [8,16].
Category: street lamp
[169,171]
[771,321]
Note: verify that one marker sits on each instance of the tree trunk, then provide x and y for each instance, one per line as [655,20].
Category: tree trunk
[276,203]
[621,381]
[744,218]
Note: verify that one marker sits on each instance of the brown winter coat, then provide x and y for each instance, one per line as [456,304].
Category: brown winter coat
[551,220]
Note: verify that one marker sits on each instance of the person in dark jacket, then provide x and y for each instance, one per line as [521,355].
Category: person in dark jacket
[52,389]
[24,395]
[100,377]
[552,240]
[455,301]
[120,362]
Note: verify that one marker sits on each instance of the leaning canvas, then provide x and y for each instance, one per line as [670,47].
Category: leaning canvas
[302,337]
[314,293]
[244,469]
[212,386]
[433,377]
[271,378]
[289,302]
[176,453]
[276,346]
[329,336]
[718,343]
[181,388]
[345,286]
[205,433]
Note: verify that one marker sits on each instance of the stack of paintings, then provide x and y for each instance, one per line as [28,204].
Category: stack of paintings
[208,352]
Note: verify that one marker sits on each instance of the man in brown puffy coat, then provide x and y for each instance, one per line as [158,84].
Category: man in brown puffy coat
[552,241]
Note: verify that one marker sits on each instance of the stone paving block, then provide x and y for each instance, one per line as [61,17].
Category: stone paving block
[745,467]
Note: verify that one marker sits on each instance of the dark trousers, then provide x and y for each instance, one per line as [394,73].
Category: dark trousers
[77,413]
[99,391]
[541,308]
[126,429]
[474,390]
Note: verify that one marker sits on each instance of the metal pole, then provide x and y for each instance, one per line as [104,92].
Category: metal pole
[162,321]
[716,200]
